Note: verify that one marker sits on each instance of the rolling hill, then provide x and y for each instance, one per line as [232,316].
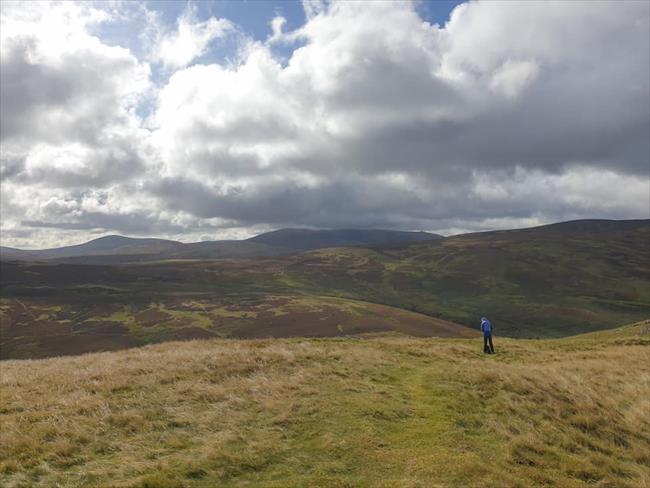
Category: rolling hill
[107,245]
[379,412]
[550,281]
[119,249]
[546,281]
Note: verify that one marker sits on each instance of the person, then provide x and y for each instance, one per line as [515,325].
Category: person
[486,328]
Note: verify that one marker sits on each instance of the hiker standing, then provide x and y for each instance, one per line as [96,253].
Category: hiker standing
[486,328]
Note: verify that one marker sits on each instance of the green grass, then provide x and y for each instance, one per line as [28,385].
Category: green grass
[381,412]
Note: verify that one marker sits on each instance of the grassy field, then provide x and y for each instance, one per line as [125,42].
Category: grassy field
[377,412]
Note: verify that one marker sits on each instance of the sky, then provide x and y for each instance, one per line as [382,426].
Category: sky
[218,120]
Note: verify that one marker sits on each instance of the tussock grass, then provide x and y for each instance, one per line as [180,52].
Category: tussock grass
[380,412]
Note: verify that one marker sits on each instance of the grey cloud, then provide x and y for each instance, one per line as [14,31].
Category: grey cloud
[64,119]
[356,201]
[374,81]
[26,88]
[286,203]
[72,100]
[350,202]
[114,162]
[11,166]
[135,223]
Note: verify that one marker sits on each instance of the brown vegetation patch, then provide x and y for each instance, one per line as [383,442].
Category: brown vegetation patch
[329,317]
[35,328]
[44,346]
[151,317]
[106,327]
[579,313]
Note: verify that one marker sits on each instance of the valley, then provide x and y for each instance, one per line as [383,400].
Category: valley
[550,281]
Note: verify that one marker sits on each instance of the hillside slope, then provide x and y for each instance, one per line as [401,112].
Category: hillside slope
[546,282]
[382,412]
[553,280]
[39,328]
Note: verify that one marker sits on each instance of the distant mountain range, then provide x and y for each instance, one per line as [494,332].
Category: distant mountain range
[116,249]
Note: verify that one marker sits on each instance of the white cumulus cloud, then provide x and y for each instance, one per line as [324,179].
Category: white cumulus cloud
[191,38]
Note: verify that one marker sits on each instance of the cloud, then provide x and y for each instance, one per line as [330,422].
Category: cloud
[512,77]
[375,90]
[509,114]
[191,38]
[313,7]
[66,100]
[277,25]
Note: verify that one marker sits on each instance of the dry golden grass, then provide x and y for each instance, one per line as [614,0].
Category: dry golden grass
[386,412]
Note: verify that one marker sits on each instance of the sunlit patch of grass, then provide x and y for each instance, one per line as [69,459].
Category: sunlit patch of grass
[195,318]
[123,316]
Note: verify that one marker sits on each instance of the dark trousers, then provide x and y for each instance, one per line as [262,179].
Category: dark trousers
[487,343]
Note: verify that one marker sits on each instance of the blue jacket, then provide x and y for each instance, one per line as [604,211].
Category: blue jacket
[486,326]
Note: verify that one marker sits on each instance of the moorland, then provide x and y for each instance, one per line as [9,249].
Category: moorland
[542,282]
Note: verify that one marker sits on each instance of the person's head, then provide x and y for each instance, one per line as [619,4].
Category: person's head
[483,319]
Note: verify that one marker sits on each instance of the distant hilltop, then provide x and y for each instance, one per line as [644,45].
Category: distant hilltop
[114,248]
